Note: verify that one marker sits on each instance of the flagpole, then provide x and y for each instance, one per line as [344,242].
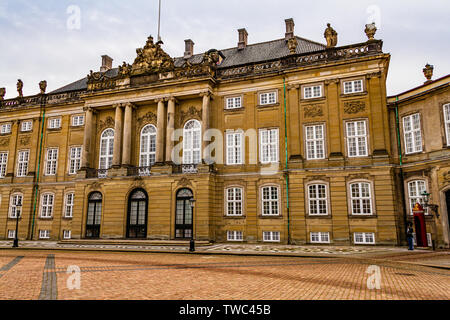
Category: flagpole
[159,22]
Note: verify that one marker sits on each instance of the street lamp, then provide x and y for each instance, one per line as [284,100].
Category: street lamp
[192,242]
[434,208]
[18,210]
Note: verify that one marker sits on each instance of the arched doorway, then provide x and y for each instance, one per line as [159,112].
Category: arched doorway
[183,214]
[137,214]
[94,215]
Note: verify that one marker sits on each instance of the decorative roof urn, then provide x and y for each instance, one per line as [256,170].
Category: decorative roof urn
[370,31]
[428,72]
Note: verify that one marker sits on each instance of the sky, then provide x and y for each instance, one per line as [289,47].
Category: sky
[61,41]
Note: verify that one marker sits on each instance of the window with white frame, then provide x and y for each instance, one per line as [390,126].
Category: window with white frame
[192,142]
[315,142]
[233,103]
[234,235]
[26,125]
[44,234]
[15,205]
[5,128]
[74,159]
[271,236]
[356,138]
[320,237]
[51,161]
[361,199]
[312,92]
[234,201]
[268,145]
[77,120]
[270,200]
[11,234]
[22,163]
[147,155]
[268,98]
[447,122]
[47,200]
[317,198]
[67,234]
[412,133]
[3,163]
[234,147]
[54,123]
[106,149]
[415,190]
[364,237]
[68,210]
[353,86]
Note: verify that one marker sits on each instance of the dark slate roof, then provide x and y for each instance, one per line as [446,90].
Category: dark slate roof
[257,52]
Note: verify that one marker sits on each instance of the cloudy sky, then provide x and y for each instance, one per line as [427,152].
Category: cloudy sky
[60,41]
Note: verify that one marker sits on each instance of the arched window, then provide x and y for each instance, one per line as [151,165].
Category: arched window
[148,146]
[192,142]
[415,190]
[106,149]
[137,214]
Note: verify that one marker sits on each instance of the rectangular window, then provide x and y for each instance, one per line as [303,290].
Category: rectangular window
[5,128]
[22,163]
[54,123]
[68,212]
[67,234]
[320,237]
[268,145]
[312,92]
[11,234]
[447,122]
[412,133]
[47,205]
[361,200]
[26,126]
[353,86]
[356,138]
[415,190]
[270,201]
[271,236]
[317,197]
[268,98]
[364,238]
[51,162]
[234,103]
[234,148]
[234,236]
[234,201]
[74,160]
[78,120]
[44,234]
[15,206]
[3,163]
[315,142]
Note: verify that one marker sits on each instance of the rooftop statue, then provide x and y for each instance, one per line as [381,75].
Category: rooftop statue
[20,88]
[331,36]
[43,86]
[152,59]
[2,93]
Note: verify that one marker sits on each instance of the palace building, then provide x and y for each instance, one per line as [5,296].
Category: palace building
[288,141]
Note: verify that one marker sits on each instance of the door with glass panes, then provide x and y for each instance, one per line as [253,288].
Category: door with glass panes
[137,214]
[183,217]
[94,215]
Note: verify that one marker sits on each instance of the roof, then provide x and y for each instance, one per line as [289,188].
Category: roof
[252,53]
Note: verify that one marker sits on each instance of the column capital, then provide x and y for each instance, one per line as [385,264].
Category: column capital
[172,98]
[292,86]
[158,100]
[331,81]
[206,94]
[129,105]
[89,108]
[373,75]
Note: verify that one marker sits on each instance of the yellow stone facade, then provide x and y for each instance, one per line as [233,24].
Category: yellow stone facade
[168,94]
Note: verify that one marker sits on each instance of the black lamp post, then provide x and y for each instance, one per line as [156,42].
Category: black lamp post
[434,208]
[18,210]
[192,242]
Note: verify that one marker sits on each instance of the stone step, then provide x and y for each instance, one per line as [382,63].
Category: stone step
[127,242]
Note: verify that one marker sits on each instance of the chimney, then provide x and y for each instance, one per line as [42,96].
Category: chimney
[106,63]
[243,35]
[189,48]
[289,28]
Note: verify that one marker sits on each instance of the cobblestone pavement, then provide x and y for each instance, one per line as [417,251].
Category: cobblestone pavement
[42,274]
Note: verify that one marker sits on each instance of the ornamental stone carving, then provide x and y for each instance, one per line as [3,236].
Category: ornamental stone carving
[357,106]
[192,112]
[43,86]
[25,140]
[292,45]
[20,88]
[331,36]
[149,117]
[107,123]
[428,72]
[314,110]
[151,59]
[4,142]
[2,93]
[370,30]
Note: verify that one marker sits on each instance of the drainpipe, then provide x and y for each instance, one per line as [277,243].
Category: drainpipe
[399,148]
[286,172]
[36,184]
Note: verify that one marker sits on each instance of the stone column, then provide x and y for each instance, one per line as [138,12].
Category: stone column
[126,151]
[117,135]
[336,146]
[160,131]
[88,124]
[205,118]
[170,128]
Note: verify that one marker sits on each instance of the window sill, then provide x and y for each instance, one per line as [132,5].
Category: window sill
[362,216]
[234,109]
[76,127]
[46,218]
[305,100]
[261,216]
[234,217]
[271,105]
[319,216]
[67,218]
[54,129]
[27,131]
[354,94]
[5,134]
